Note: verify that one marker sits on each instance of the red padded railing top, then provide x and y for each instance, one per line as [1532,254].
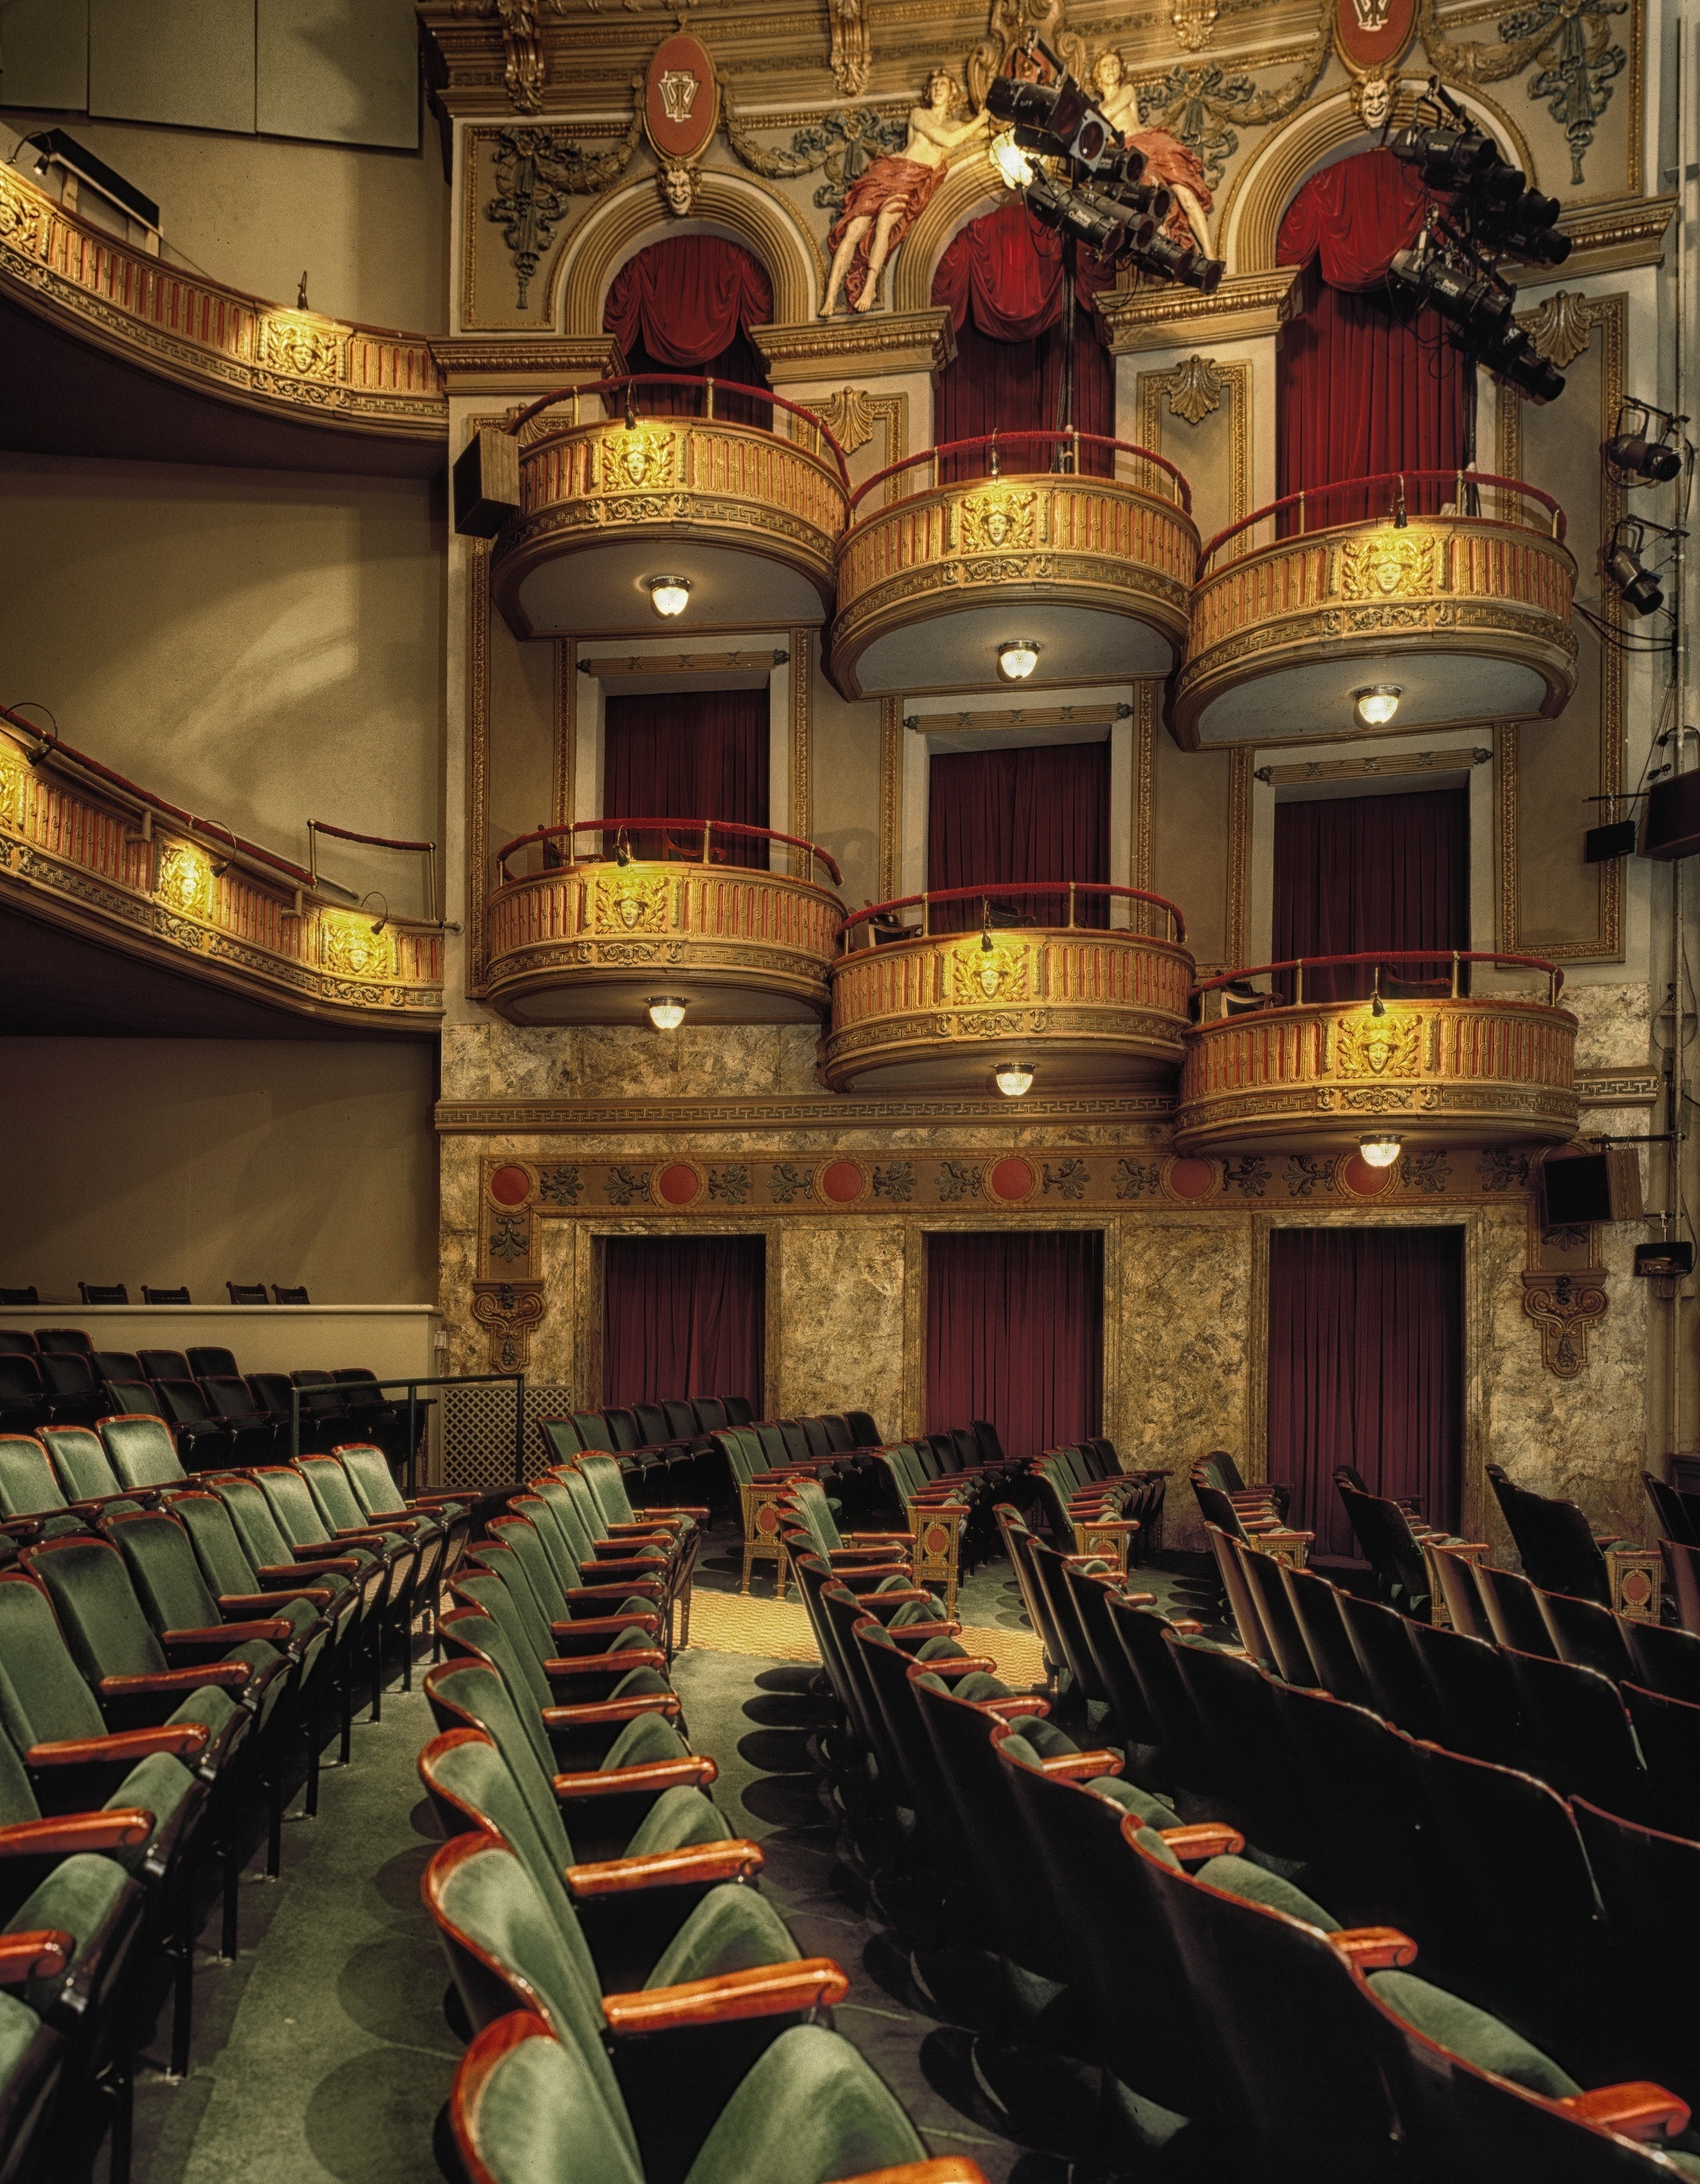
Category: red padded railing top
[993,445]
[1305,505]
[706,828]
[1454,956]
[1021,888]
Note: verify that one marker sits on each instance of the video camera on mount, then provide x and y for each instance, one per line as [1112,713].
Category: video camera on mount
[1101,197]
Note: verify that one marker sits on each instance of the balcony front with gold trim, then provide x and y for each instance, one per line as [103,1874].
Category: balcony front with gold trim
[1075,1005]
[1463,614]
[1083,546]
[1276,1073]
[665,914]
[745,501]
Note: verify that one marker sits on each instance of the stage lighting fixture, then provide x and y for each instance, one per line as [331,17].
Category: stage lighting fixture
[1450,158]
[1377,705]
[1637,459]
[1637,588]
[1017,658]
[1016,169]
[1514,357]
[665,1013]
[1014,1079]
[1452,284]
[1179,261]
[1056,118]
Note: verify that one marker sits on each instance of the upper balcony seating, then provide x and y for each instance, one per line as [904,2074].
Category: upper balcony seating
[749,506]
[596,938]
[918,1009]
[1466,609]
[1444,1066]
[1083,545]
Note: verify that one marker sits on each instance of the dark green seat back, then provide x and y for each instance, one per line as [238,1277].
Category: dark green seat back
[84,1472]
[28,1484]
[163,1571]
[142,1450]
[97,1607]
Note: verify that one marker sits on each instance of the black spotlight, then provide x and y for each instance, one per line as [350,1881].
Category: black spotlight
[1637,458]
[1515,358]
[1638,587]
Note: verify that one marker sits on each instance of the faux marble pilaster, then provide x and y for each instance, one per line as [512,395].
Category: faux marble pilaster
[841,1311]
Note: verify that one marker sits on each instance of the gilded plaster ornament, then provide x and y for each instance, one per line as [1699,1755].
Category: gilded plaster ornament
[1390,1046]
[509,1313]
[1374,94]
[849,417]
[1561,326]
[184,881]
[1563,1307]
[1011,25]
[299,347]
[889,195]
[852,49]
[1386,565]
[1572,41]
[637,461]
[352,949]
[629,904]
[1193,21]
[678,184]
[1194,389]
[538,174]
[1004,518]
[1002,972]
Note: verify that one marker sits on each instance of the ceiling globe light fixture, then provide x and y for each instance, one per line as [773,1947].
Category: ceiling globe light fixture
[665,1013]
[1013,1080]
[1383,1149]
[669,595]
[1377,705]
[1018,659]
[1012,164]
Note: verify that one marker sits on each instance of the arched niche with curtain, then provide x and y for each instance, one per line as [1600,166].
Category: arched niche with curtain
[686,305]
[1002,281]
[1365,385]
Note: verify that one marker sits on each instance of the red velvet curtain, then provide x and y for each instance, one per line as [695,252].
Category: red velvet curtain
[688,305]
[1366,1367]
[693,754]
[1359,390]
[998,816]
[683,1316]
[1354,872]
[1002,281]
[1015,1333]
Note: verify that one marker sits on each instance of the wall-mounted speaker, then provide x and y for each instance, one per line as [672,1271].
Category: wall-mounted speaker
[487,482]
[1597,1186]
[1673,818]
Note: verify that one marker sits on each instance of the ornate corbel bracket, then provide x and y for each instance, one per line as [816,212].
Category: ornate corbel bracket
[508,1312]
[1563,1307]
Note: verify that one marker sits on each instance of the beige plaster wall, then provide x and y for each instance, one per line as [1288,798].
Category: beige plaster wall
[370,228]
[197,1161]
[260,646]
[846,754]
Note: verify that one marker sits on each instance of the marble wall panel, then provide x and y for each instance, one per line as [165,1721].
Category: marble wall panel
[1614,1028]
[498,1061]
[841,1303]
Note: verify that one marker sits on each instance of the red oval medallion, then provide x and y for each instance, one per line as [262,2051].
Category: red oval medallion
[1190,1178]
[681,99]
[678,1184]
[1011,1179]
[1372,34]
[1357,1175]
[510,1186]
[841,1181]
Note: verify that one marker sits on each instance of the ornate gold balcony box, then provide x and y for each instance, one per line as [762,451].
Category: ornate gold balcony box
[1307,602]
[1455,1070]
[597,940]
[750,511]
[958,549]
[1081,1007]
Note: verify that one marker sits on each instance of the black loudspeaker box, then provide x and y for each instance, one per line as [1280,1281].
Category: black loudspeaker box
[1598,1186]
[1673,818]
[1600,844]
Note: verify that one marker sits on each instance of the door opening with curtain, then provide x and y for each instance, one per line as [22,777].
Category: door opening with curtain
[1015,1333]
[1040,812]
[684,1317]
[1354,873]
[688,754]
[1366,1367]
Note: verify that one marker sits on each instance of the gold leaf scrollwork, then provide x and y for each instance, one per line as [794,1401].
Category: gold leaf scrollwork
[349,947]
[1194,389]
[1561,327]
[21,223]
[634,462]
[299,346]
[849,417]
[1385,564]
[1193,20]
[1390,1046]
[992,521]
[631,905]
[184,882]
[14,781]
[1002,972]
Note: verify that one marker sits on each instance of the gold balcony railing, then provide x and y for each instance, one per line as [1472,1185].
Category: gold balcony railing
[1442,1066]
[594,939]
[922,1005]
[1093,534]
[697,466]
[1455,583]
[85,849]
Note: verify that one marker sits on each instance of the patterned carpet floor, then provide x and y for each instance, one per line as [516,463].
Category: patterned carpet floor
[778,1630]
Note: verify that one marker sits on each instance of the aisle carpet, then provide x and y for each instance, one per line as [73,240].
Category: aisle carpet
[778,1630]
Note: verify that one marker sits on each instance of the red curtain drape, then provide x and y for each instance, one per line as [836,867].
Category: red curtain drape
[684,1317]
[1015,1335]
[688,305]
[1356,872]
[1001,280]
[1366,1367]
[1041,813]
[693,755]
[1359,390]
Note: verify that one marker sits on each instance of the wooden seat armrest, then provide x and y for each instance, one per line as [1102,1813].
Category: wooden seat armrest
[619,1552]
[599,1627]
[595,1713]
[123,1827]
[1186,1626]
[42,1953]
[697,1865]
[1375,1948]
[1636,2110]
[695,1771]
[1262,1526]
[241,1605]
[897,1592]
[1138,1599]
[273,1629]
[594,1598]
[763,1991]
[639,1565]
[949,2169]
[648,1527]
[1287,1532]
[682,1509]
[183,1740]
[1081,1560]
[917,1633]
[856,1557]
[359,1535]
[1010,1710]
[226,1675]
[604,1664]
[311,1559]
[1082,1766]
[877,1572]
[963,1665]
[1113,1524]
[432,1499]
[1205,1839]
